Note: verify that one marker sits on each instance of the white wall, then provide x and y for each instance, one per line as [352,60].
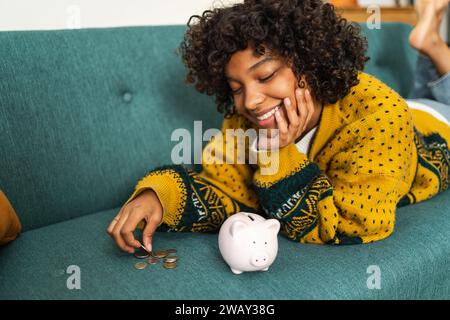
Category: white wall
[62,14]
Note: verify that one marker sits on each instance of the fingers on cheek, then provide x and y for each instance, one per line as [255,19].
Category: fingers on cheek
[308,97]
[287,103]
[298,96]
[309,100]
[281,123]
[305,99]
[278,120]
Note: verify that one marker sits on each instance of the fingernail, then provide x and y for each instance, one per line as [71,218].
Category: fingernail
[299,92]
[307,92]
[287,102]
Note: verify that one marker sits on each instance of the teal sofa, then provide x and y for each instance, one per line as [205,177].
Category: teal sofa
[84,114]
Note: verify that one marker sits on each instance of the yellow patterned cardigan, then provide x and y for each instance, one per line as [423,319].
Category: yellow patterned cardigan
[370,155]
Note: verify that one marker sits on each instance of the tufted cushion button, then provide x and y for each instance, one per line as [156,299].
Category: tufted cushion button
[127,97]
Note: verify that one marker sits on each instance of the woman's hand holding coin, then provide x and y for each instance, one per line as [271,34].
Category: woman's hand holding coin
[146,206]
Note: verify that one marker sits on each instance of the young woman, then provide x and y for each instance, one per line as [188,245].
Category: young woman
[349,151]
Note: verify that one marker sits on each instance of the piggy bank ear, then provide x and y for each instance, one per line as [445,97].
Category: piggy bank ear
[273,225]
[237,227]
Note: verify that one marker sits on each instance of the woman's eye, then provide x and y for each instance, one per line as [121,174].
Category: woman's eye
[262,80]
[236,91]
[267,78]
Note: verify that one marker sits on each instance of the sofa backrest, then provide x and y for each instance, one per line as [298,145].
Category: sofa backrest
[392,59]
[84,114]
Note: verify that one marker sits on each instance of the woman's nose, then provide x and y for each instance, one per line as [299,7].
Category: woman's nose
[252,100]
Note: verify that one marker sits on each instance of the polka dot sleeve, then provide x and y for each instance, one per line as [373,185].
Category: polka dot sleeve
[369,176]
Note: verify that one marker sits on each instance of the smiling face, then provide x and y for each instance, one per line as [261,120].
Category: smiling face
[259,85]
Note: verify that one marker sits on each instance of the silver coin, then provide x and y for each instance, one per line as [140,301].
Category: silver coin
[140,265]
[170,259]
[153,260]
[171,250]
[141,253]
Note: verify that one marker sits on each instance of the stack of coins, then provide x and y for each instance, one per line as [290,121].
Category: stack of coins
[170,261]
[169,256]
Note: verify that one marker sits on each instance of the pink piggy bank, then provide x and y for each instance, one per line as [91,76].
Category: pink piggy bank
[248,242]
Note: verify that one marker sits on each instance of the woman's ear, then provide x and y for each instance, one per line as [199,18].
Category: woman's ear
[301,83]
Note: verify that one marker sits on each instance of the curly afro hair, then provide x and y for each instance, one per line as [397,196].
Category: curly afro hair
[308,34]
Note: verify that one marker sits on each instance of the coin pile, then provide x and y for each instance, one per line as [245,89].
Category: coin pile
[169,257]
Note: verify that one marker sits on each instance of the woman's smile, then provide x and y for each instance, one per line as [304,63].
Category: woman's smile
[267,120]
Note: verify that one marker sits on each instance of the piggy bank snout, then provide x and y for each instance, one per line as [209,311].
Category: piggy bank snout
[260,259]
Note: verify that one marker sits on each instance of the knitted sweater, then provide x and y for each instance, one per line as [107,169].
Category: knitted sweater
[369,155]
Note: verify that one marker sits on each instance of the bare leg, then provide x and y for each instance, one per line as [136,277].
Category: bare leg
[425,36]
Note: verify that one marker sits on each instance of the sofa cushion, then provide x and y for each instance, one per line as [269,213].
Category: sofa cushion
[84,114]
[413,264]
